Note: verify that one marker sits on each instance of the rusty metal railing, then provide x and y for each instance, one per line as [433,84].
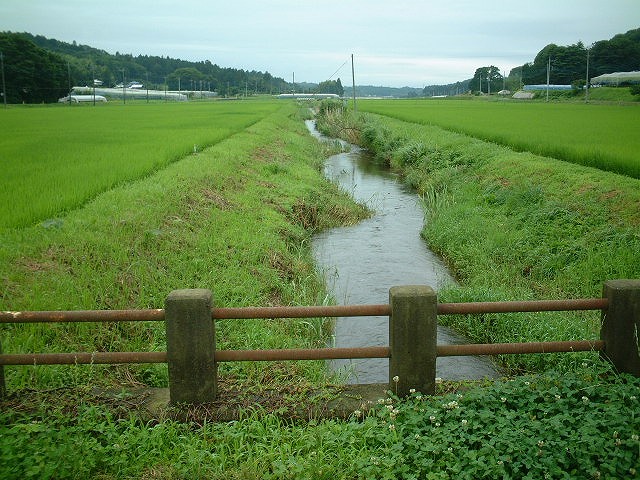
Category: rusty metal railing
[101,358]
[300,312]
[240,313]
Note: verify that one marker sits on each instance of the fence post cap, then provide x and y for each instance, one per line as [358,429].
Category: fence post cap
[623,284]
[411,290]
[189,293]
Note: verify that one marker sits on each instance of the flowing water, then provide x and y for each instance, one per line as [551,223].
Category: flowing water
[361,262]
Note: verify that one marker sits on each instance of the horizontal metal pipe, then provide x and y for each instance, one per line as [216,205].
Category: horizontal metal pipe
[301,354]
[82,358]
[83,316]
[519,348]
[302,312]
[523,306]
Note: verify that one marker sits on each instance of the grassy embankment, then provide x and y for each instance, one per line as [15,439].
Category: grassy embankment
[513,225]
[231,218]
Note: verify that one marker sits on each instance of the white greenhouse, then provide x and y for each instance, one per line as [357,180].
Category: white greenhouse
[616,78]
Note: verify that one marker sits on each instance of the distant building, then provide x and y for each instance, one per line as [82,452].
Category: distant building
[523,95]
[307,96]
[544,86]
[81,98]
[616,78]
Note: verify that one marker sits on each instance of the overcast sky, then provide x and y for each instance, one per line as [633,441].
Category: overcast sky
[394,42]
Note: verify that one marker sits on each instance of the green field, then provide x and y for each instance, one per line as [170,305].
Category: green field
[54,159]
[600,136]
[237,218]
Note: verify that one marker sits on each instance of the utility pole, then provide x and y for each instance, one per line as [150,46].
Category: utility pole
[124,92]
[93,79]
[69,80]
[548,75]
[586,85]
[147,87]
[4,87]
[353,84]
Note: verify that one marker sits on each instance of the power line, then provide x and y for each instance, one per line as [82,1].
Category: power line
[339,68]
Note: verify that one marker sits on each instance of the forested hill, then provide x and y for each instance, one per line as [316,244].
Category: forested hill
[569,63]
[40,69]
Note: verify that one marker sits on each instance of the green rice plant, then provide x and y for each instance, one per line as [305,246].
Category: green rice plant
[599,136]
[56,159]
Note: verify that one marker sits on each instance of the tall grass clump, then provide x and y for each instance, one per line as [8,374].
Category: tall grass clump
[596,135]
[515,226]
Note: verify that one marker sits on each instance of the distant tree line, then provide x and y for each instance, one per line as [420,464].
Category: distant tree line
[569,63]
[39,69]
[568,67]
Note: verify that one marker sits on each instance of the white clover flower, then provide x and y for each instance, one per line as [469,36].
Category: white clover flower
[389,401]
[432,418]
[389,407]
[464,421]
[381,401]
[396,379]
[357,413]
[392,427]
[416,436]
[632,397]
[618,442]
[412,390]
[449,449]
[437,424]
[419,397]
[527,383]
[503,399]
[616,434]
[500,462]
[557,397]
[541,443]
[635,437]
[585,399]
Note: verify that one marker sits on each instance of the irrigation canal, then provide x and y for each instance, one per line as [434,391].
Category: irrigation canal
[361,262]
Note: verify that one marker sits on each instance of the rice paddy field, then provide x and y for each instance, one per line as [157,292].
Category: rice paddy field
[54,159]
[111,208]
[595,135]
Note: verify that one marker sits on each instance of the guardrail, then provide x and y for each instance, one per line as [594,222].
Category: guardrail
[192,357]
